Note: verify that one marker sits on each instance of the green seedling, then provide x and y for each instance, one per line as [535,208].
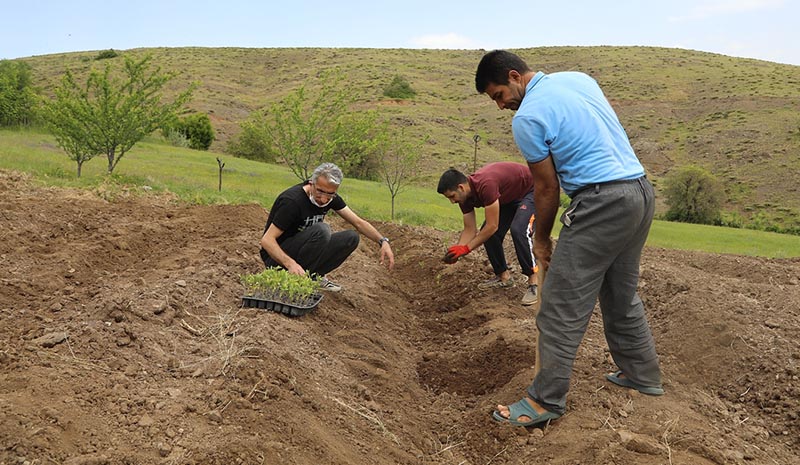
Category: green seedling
[277,284]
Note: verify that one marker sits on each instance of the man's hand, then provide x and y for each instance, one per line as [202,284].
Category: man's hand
[295,268]
[387,256]
[455,252]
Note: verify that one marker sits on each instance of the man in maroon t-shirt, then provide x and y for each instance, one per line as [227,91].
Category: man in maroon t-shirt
[505,190]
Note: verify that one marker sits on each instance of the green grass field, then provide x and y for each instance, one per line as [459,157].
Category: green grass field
[193,177]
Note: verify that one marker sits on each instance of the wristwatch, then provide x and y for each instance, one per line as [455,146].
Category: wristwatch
[382,240]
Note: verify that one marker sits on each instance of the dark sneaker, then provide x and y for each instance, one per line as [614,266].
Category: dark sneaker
[327,285]
[531,295]
[496,282]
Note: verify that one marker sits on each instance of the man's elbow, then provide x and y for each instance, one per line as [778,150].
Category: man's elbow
[265,242]
[546,190]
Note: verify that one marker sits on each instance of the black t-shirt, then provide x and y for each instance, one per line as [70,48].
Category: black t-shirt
[293,211]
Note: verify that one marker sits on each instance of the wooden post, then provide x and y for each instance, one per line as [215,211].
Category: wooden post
[476,138]
[221,165]
[540,281]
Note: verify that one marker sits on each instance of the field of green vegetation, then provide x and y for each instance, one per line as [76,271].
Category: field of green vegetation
[193,176]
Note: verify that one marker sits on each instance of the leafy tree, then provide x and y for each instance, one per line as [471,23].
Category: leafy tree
[70,136]
[111,112]
[297,131]
[399,88]
[254,142]
[305,129]
[693,195]
[195,129]
[294,130]
[353,144]
[399,161]
[17,98]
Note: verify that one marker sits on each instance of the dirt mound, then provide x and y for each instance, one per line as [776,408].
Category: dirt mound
[123,342]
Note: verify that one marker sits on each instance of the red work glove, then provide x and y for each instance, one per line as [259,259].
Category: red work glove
[454,252]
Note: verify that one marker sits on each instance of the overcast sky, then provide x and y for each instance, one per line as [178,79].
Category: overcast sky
[763,29]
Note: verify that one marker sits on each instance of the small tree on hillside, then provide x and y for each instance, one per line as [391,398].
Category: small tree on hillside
[70,137]
[353,142]
[253,142]
[110,114]
[294,130]
[17,98]
[307,128]
[398,162]
[297,133]
[693,195]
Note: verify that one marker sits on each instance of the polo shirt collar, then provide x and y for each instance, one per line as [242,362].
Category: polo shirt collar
[536,78]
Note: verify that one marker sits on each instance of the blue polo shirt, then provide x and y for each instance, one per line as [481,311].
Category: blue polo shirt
[567,116]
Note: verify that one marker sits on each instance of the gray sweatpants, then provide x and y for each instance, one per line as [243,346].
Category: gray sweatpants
[597,255]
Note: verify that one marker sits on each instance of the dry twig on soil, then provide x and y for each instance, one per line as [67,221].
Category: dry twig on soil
[670,425]
[368,414]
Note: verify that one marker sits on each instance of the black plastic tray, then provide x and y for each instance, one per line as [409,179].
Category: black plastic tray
[281,307]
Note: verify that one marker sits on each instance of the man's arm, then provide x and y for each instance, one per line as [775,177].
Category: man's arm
[369,231]
[269,242]
[492,218]
[470,228]
[546,196]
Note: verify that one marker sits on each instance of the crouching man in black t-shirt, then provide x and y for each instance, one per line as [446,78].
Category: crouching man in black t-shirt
[297,239]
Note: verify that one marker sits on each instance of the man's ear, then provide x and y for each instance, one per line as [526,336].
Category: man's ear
[514,76]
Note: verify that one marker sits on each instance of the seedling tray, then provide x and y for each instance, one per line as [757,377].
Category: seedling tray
[288,309]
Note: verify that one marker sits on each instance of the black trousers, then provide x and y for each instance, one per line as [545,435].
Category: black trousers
[317,249]
[519,216]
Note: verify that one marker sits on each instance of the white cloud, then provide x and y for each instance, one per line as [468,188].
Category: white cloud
[723,7]
[450,40]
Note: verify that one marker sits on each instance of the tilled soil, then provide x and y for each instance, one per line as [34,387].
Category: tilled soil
[123,341]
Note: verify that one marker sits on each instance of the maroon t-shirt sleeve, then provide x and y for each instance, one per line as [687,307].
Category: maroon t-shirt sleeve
[501,181]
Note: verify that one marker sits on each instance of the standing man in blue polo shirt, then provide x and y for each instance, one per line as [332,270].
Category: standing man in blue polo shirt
[572,138]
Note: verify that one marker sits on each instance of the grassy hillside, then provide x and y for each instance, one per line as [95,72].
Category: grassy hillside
[193,176]
[736,117]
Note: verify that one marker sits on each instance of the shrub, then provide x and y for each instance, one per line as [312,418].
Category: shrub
[399,88]
[253,142]
[106,54]
[176,138]
[194,131]
[730,220]
[693,195]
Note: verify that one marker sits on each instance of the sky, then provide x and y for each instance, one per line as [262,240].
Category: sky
[762,29]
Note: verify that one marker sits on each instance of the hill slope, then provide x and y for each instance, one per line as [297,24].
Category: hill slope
[736,117]
[122,341]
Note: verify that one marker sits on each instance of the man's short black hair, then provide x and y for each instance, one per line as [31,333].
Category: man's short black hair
[450,180]
[494,68]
